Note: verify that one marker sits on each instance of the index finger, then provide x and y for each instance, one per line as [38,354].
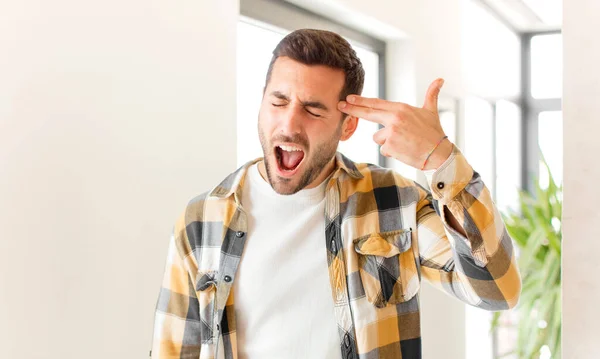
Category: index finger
[371,102]
[366,113]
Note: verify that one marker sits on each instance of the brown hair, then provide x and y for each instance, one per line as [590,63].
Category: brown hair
[320,47]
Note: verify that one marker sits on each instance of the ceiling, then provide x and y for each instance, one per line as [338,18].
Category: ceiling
[528,15]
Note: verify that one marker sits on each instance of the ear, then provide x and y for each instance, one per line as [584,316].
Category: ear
[348,127]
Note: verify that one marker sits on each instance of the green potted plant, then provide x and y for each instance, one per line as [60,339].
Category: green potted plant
[536,230]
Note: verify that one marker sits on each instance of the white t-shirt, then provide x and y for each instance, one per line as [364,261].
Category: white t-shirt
[283,300]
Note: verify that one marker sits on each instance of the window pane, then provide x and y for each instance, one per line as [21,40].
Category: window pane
[255,46]
[448,121]
[508,155]
[361,147]
[479,144]
[550,129]
[491,54]
[546,66]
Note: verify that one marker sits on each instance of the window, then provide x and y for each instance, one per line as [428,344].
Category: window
[479,150]
[539,124]
[479,141]
[550,129]
[544,107]
[361,147]
[448,112]
[508,155]
[546,66]
[491,53]
[255,44]
[492,132]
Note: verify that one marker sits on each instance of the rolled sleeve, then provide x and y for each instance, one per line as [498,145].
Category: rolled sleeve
[451,178]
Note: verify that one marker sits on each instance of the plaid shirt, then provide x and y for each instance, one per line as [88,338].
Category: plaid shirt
[383,233]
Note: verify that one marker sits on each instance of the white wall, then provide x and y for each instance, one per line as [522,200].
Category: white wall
[113,114]
[581,215]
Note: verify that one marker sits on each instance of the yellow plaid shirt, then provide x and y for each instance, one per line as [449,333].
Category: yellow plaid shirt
[383,233]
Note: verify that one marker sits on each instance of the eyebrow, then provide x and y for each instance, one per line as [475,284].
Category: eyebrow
[313,104]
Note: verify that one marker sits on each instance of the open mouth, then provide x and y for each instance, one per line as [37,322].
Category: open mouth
[289,159]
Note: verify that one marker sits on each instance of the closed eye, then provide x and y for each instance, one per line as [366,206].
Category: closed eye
[283,104]
[314,114]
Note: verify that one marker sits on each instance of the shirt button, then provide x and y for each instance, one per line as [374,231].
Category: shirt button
[227,278]
[239,234]
[440,185]
[218,328]
[333,248]
[347,340]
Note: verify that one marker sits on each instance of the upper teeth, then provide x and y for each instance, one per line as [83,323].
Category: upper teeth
[289,148]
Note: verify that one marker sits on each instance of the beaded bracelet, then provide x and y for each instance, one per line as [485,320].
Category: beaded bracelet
[431,152]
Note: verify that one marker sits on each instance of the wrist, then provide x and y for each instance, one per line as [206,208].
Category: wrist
[439,156]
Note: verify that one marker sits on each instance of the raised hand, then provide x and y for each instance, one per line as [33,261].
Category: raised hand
[409,133]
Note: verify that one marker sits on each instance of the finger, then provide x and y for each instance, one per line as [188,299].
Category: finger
[433,92]
[380,136]
[375,103]
[384,150]
[366,113]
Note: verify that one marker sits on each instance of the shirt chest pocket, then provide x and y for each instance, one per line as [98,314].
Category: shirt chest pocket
[387,267]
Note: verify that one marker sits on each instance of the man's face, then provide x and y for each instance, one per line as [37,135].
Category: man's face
[299,124]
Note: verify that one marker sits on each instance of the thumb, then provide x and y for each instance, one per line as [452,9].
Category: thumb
[431,98]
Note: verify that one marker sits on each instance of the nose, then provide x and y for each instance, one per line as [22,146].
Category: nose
[290,122]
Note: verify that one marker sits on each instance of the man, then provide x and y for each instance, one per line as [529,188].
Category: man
[305,254]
